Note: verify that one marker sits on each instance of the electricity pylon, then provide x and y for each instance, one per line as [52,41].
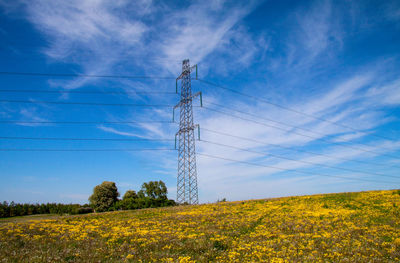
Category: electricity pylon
[187,190]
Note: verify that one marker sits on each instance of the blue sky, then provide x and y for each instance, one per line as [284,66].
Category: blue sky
[334,60]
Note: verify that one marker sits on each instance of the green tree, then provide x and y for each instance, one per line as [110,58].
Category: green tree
[129,201]
[154,190]
[104,196]
[130,194]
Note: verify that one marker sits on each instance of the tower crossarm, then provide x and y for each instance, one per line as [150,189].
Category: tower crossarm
[185,100]
[185,72]
[189,70]
[188,129]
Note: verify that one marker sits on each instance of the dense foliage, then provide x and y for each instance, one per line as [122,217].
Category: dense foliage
[104,196]
[152,194]
[346,227]
[13,209]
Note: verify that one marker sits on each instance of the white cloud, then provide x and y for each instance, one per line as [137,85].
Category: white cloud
[32,114]
[315,34]
[115,131]
[92,34]
[348,137]
[342,93]
[388,94]
[97,35]
[155,129]
[198,31]
[317,28]
[84,22]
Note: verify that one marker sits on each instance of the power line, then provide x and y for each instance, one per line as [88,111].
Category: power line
[26,54]
[283,123]
[304,135]
[201,80]
[80,139]
[83,92]
[293,170]
[293,149]
[87,103]
[300,161]
[218,111]
[82,150]
[82,122]
[81,75]
[219,144]
[215,104]
[289,109]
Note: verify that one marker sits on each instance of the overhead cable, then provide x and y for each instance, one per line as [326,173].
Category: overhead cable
[86,103]
[282,123]
[82,75]
[299,161]
[81,122]
[294,149]
[81,139]
[304,135]
[80,150]
[264,100]
[293,170]
[83,91]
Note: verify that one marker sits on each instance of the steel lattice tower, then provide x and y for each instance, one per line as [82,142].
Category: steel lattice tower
[187,191]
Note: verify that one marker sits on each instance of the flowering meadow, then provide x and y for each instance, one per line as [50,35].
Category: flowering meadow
[346,227]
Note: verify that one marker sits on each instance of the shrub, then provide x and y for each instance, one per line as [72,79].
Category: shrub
[85,210]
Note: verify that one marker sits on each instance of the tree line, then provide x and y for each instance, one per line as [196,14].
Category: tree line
[104,198]
[14,209]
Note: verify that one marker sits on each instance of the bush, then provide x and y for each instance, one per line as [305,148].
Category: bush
[85,210]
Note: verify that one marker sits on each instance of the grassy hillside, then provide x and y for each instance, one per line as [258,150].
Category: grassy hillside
[346,227]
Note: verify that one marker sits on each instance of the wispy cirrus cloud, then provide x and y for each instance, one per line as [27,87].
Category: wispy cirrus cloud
[386,94]
[31,114]
[97,35]
[343,93]
[200,30]
[92,34]
[124,133]
[317,30]
[349,136]
[314,36]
